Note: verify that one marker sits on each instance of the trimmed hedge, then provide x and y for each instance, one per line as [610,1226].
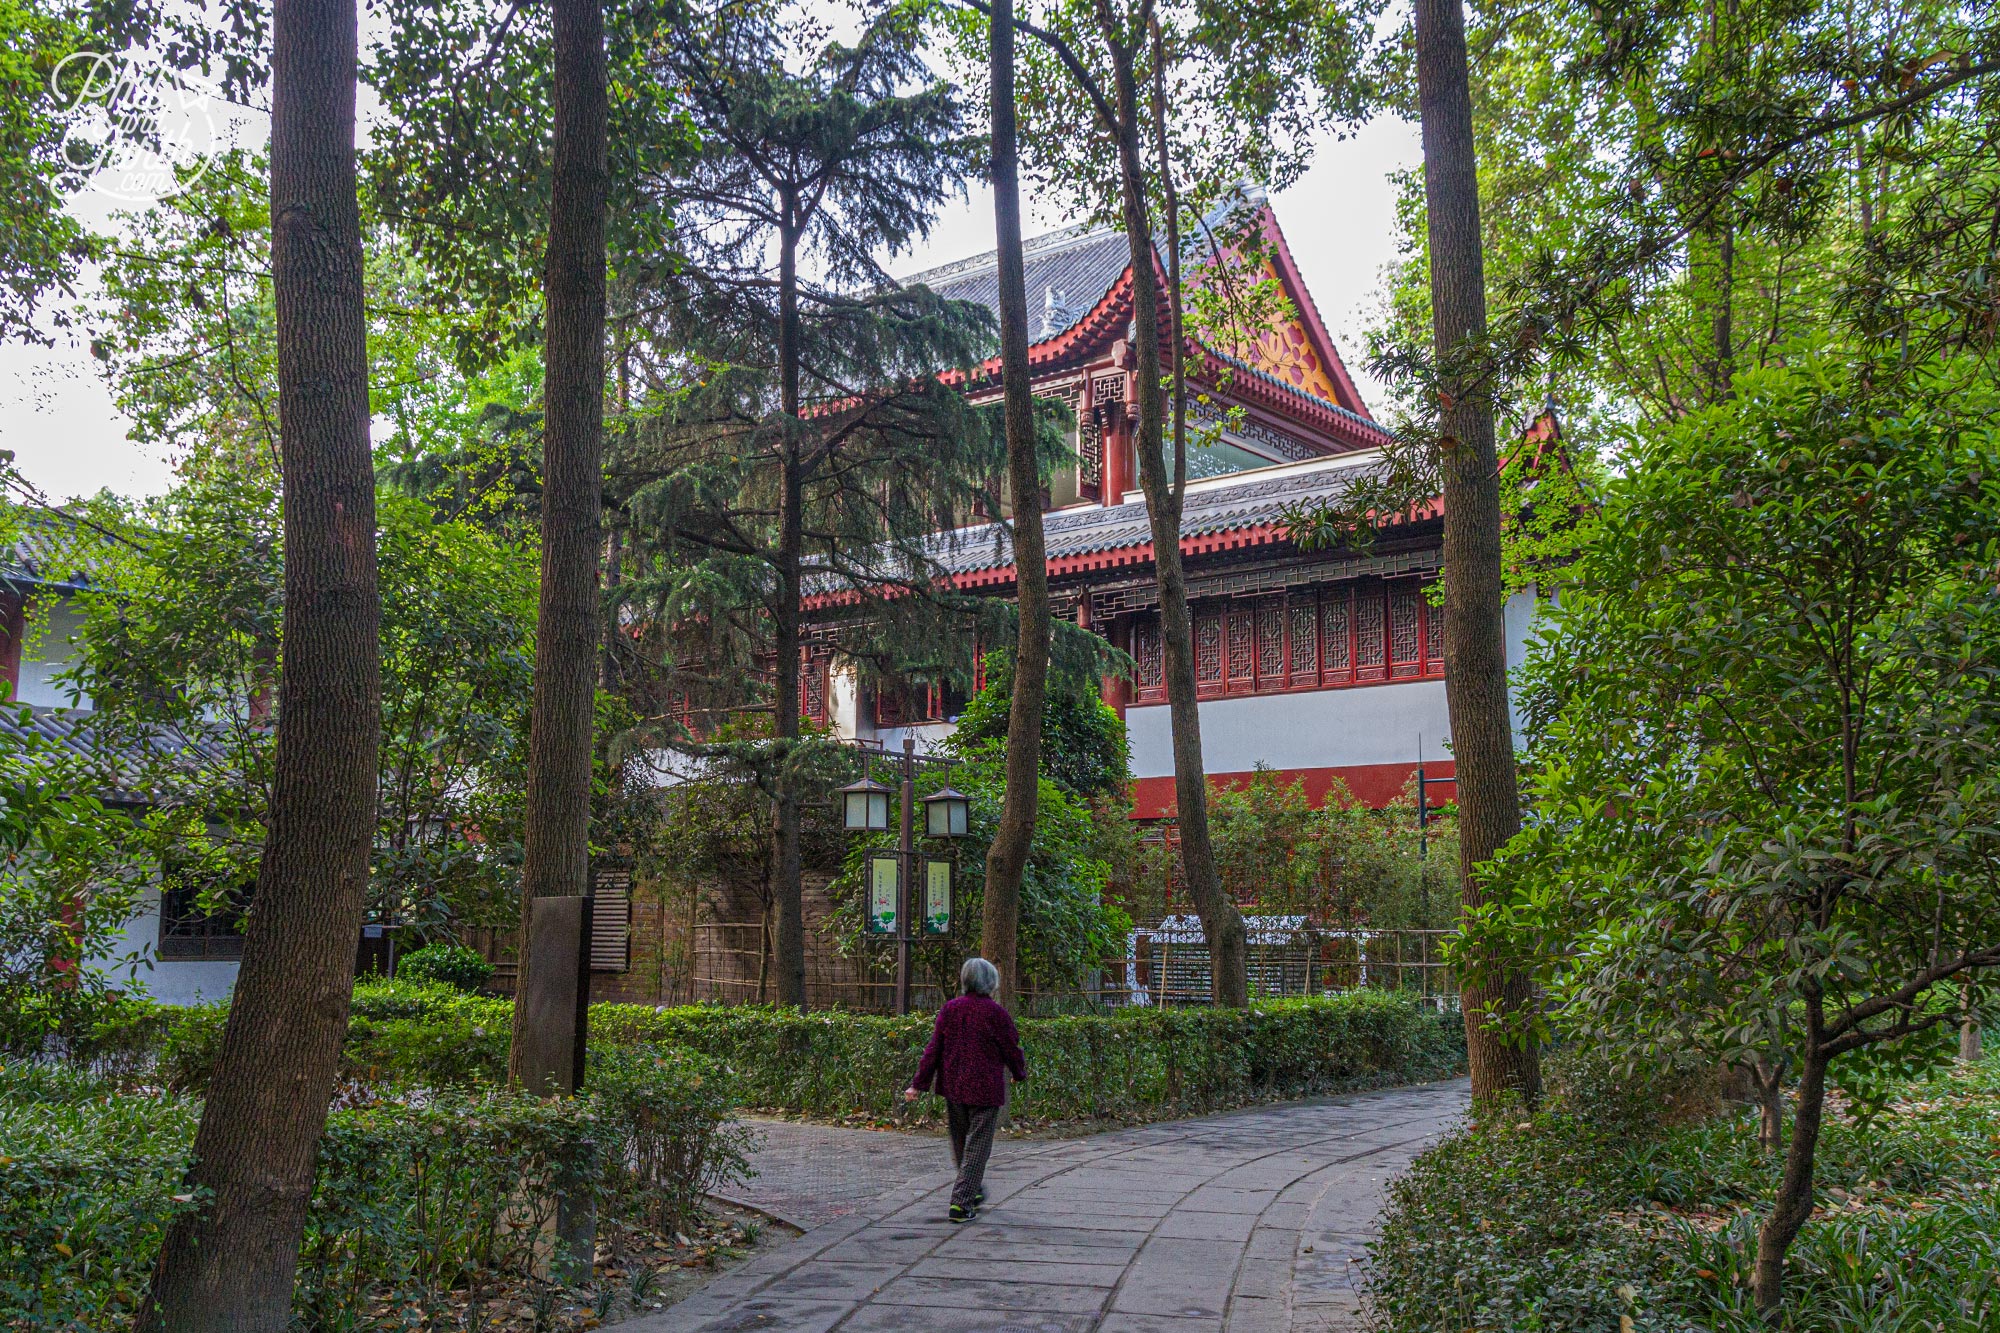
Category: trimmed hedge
[408,1197]
[1130,1064]
[420,1032]
[1139,1063]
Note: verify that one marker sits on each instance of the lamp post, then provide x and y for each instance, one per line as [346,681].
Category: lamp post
[865,809]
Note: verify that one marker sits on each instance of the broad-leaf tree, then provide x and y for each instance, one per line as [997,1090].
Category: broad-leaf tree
[567,625]
[1013,838]
[1475,627]
[1149,115]
[1766,818]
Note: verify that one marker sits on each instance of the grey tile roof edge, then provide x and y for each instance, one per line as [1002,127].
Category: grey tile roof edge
[1242,500]
[70,729]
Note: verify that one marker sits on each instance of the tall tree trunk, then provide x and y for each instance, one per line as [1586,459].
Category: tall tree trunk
[1475,641]
[569,620]
[1969,1044]
[1221,923]
[1767,1076]
[1722,321]
[786,890]
[1794,1202]
[231,1265]
[1007,858]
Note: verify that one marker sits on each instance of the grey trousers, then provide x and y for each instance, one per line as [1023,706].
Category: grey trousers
[971,1144]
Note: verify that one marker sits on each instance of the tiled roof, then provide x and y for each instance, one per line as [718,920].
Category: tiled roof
[1292,390]
[1068,272]
[76,731]
[37,556]
[1244,500]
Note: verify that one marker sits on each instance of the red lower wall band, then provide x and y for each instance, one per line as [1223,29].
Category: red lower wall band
[1371,784]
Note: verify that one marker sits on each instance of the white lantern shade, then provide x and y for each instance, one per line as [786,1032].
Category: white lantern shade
[865,807]
[945,813]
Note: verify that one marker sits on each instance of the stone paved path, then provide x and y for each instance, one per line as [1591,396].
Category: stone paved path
[809,1175]
[1242,1223]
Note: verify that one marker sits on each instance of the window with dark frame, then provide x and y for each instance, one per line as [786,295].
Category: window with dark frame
[188,933]
[1361,633]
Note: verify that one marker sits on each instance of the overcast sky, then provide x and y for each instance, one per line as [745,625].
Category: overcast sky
[58,418]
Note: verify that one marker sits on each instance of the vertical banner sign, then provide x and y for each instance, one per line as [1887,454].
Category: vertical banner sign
[937,897]
[884,883]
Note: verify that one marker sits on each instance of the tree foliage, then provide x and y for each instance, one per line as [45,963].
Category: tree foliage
[180,648]
[1761,720]
[1083,738]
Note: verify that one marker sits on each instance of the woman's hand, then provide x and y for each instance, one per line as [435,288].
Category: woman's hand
[909,1094]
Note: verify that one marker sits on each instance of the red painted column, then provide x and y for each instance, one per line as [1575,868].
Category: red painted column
[1116,690]
[13,628]
[1117,446]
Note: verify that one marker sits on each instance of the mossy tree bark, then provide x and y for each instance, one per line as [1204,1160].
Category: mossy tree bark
[1475,642]
[230,1266]
[1007,858]
[569,620]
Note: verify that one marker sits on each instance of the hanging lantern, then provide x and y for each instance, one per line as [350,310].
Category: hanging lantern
[945,813]
[865,807]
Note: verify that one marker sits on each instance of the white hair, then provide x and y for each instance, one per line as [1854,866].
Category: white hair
[979,977]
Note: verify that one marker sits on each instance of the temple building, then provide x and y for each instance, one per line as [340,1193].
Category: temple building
[1321,665]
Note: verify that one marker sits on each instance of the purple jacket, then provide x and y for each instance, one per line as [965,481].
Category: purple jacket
[971,1048]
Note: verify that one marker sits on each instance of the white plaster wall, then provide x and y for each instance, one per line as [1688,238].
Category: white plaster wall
[1361,724]
[51,648]
[930,736]
[1368,724]
[850,720]
[170,982]
[843,700]
[1520,609]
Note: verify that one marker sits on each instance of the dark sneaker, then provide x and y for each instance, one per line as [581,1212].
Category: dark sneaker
[959,1214]
[979,1198]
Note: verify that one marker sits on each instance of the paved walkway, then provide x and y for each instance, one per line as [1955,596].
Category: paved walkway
[809,1175]
[1243,1223]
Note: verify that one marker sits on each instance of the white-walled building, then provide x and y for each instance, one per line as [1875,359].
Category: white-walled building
[182,956]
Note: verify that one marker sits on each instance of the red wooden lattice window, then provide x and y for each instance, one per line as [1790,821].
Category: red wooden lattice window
[1305,641]
[1208,649]
[1370,646]
[1405,636]
[1146,653]
[812,687]
[1271,641]
[1353,634]
[1242,629]
[1336,636]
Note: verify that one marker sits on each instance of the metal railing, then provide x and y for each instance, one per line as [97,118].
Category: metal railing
[1171,966]
[1164,965]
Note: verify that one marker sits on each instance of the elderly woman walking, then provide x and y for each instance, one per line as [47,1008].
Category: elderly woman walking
[972,1050]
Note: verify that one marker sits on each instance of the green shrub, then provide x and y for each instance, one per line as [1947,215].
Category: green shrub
[452,964]
[676,1112]
[398,1032]
[1584,1216]
[408,1198]
[1131,1064]
[1134,1063]
[190,1047]
[426,1034]
[89,1183]
[403,997]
